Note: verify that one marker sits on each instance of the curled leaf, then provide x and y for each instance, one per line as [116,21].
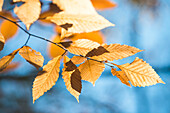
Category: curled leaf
[31,56]
[46,78]
[91,70]
[4,62]
[140,73]
[2,41]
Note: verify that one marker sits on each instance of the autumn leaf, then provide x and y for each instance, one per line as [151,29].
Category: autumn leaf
[121,75]
[1,4]
[11,67]
[91,70]
[8,26]
[46,78]
[82,46]
[2,41]
[4,62]
[103,4]
[140,73]
[72,78]
[31,56]
[112,52]
[29,12]
[83,20]
[78,59]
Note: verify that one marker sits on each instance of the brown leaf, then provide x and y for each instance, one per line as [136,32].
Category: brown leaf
[72,79]
[103,4]
[122,76]
[82,46]
[96,52]
[31,56]
[78,59]
[1,4]
[7,26]
[4,62]
[28,12]
[115,52]
[140,73]
[46,78]
[91,70]
[2,41]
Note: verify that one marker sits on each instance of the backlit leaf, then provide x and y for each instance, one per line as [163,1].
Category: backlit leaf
[1,4]
[78,59]
[46,78]
[2,41]
[4,62]
[8,29]
[29,12]
[121,75]
[140,73]
[31,56]
[72,78]
[91,70]
[102,4]
[112,52]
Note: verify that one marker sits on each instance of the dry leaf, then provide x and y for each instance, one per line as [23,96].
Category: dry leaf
[82,46]
[78,59]
[4,62]
[122,76]
[85,19]
[112,52]
[91,70]
[7,26]
[31,56]
[72,78]
[2,41]
[102,4]
[28,12]
[54,50]
[1,4]
[46,78]
[140,73]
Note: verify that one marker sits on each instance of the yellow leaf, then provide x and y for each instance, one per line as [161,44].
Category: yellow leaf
[1,4]
[4,62]
[31,56]
[85,19]
[72,78]
[2,41]
[54,50]
[8,29]
[46,78]
[121,75]
[112,52]
[91,70]
[78,59]
[29,12]
[82,46]
[102,4]
[140,73]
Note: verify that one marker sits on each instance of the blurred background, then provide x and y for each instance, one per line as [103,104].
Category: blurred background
[144,24]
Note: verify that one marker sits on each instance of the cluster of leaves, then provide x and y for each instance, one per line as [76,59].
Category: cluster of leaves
[90,57]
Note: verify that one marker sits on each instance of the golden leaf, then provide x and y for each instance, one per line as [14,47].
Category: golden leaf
[46,78]
[4,62]
[112,52]
[91,70]
[72,78]
[102,4]
[31,56]
[8,26]
[83,20]
[78,59]
[54,50]
[29,12]
[121,75]
[140,73]
[2,41]
[1,4]
[82,46]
